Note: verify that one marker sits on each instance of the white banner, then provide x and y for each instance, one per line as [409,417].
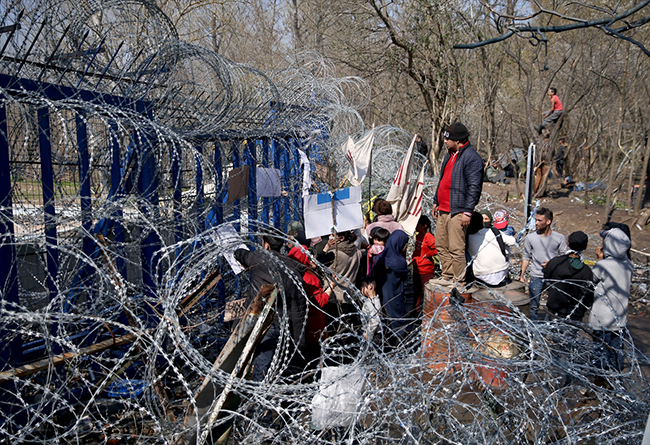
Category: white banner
[415,204]
[397,194]
[306,172]
[359,155]
[347,215]
[226,235]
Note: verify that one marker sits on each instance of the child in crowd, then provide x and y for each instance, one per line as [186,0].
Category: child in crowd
[379,238]
[500,222]
[424,260]
[613,277]
[371,308]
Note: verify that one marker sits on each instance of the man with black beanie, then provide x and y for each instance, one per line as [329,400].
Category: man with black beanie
[458,193]
[569,281]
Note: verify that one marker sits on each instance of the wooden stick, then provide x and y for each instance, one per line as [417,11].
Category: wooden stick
[640,253]
[57,360]
[194,296]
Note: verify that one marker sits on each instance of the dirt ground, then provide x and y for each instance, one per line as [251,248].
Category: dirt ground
[571,214]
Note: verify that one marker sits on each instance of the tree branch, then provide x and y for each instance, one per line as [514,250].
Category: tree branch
[604,22]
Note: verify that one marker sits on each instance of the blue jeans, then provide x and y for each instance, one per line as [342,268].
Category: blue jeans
[264,353]
[609,350]
[535,287]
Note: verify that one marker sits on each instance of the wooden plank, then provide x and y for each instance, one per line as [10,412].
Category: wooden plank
[58,360]
[213,400]
[206,286]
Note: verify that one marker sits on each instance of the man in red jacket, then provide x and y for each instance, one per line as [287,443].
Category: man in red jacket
[458,193]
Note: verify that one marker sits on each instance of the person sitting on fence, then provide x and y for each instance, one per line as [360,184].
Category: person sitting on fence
[488,248]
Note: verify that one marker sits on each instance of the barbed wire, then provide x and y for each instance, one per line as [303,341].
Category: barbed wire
[115,344]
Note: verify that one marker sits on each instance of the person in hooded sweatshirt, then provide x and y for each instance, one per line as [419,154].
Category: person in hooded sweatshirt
[390,273]
[613,278]
[569,281]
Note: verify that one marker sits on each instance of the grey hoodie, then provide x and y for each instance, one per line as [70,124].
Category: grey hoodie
[613,276]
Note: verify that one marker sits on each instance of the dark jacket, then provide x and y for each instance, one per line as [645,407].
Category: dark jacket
[296,302]
[570,288]
[466,180]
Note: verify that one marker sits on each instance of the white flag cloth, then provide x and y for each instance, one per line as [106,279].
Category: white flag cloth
[227,236]
[268,182]
[306,178]
[397,195]
[348,215]
[359,155]
[415,203]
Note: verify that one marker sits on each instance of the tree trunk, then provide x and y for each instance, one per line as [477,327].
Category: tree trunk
[642,197]
[621,114]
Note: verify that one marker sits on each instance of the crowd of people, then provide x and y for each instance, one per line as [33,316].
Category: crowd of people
[470,248]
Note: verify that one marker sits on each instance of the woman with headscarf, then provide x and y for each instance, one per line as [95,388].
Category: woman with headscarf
[488,254]
[390,273]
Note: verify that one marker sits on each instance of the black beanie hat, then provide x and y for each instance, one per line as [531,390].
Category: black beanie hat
[578,241]
[456,132]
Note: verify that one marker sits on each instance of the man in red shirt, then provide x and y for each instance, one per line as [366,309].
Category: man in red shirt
[554,113]
[458,193]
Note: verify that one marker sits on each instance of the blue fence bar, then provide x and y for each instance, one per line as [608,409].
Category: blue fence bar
[277,203]
[236,163]
[11,354]
[199,186]
[177,195]
[47,178]
[286,172]
[250,159]
[266,202]
[84,192]
[116,178]
[148,189]
[215,216]
[296,195]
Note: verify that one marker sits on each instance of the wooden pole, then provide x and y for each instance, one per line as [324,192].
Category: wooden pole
[58,360]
